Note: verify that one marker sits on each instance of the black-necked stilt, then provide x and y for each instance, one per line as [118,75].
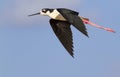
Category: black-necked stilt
[61,19]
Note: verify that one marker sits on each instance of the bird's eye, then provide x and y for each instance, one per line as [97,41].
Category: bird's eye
[43,10]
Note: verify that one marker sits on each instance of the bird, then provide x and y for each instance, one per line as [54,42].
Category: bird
[61,20]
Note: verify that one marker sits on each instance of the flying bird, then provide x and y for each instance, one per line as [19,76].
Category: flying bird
[62,19]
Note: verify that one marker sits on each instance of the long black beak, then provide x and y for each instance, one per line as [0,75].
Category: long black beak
[34,14]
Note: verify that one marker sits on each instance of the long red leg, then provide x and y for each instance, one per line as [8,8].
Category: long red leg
[86,21]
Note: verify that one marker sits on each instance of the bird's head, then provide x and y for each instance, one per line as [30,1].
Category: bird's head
[45,12]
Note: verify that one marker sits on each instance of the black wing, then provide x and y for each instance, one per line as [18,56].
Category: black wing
[73,18]
[64,34]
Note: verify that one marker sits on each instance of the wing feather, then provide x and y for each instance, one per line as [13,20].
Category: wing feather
[64,34]
[73,18]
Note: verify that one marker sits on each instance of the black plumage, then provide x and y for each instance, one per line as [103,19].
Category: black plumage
[63,32]
[61,19]
[73,18]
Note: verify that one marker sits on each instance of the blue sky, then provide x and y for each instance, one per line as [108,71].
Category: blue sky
[29,48]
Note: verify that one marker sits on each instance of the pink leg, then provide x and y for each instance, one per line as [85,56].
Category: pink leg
[95,25]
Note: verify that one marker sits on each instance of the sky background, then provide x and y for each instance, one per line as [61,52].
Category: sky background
[29,48]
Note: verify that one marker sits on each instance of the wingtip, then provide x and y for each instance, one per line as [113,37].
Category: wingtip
[86,34]
[72,56]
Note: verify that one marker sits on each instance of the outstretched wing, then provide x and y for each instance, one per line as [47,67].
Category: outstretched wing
[64,34]
[73,18]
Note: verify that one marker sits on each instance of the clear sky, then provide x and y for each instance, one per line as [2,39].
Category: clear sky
[29,48]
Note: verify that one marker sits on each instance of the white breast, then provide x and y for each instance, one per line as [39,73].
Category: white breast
[56,15]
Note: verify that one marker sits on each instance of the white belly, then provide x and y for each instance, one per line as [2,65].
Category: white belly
[56,15]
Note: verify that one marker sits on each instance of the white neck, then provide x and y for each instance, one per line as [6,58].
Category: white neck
[56,15]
